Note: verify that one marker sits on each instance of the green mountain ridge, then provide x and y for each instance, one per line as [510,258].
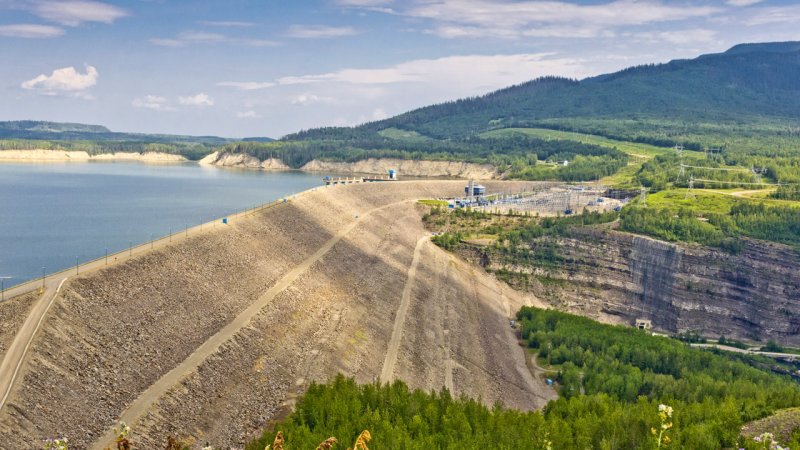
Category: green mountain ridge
[64,131]
[749,83]
[97,139]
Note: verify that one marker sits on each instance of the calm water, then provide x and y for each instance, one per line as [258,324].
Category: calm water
[52,212]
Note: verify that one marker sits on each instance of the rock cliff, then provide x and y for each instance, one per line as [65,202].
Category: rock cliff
[619,277]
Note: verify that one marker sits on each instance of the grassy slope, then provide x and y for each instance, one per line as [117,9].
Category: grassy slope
[625,177]
[631,148]
[707,201]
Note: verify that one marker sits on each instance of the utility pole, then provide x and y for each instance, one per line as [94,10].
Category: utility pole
[130,249]
[76,265]
[106,255]
[43,276]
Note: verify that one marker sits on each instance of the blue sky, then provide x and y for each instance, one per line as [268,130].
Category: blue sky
[266,68]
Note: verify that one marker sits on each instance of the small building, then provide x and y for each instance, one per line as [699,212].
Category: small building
[643,324]
[477,190]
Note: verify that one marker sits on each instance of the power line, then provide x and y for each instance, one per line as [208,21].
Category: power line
[740,182]
[729,169]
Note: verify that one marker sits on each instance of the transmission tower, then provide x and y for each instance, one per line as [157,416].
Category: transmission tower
[643,195]
[690,191]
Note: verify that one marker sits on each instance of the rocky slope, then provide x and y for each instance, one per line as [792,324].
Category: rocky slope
[242,160]
[619,277]
[12,315]
[116,332]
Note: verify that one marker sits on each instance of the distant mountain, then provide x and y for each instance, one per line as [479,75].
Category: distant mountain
[749,82]
[51,127]
[56,131]
[62,131]
[96,139]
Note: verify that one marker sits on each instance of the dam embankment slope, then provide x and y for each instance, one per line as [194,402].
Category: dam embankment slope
[114,334]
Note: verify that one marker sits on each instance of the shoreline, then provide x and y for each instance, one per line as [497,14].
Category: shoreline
[370,166]
[42,155]
[409,169]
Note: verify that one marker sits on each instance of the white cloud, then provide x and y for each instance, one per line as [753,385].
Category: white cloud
[364,3]
[517,19]
[187,38]
[153,102]
[474,70]
[319,31]
[196,100]
[250,114]
[30,31]
[772,15]
[226,23]
[66,80]
[247,85]
[379,114]
[74,12]
[678,37]
[310,99]
[743,2]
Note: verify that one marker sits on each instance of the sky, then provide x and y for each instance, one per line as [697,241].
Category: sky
[242,68]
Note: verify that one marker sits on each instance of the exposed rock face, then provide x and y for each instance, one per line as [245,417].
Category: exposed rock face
[411,168]
[64,155]
[407,167]
[242,160]
[619,277]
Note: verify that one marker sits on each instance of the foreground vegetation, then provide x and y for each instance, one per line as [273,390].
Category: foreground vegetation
[611,381]
[713,394]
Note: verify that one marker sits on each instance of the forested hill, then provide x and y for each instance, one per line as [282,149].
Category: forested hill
[57,131]
[22,126]
[748,83]
[29,134]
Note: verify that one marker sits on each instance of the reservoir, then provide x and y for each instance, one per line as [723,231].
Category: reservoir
[53,213]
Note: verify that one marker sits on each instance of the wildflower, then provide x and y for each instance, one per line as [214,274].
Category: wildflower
[361,441]
[327,444]
[664,415]
[55,444]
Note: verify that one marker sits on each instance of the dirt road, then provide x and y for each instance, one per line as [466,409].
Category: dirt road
[727,348]
[387,373]
[15,356]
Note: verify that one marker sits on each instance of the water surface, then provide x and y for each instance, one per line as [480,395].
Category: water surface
[51,213]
